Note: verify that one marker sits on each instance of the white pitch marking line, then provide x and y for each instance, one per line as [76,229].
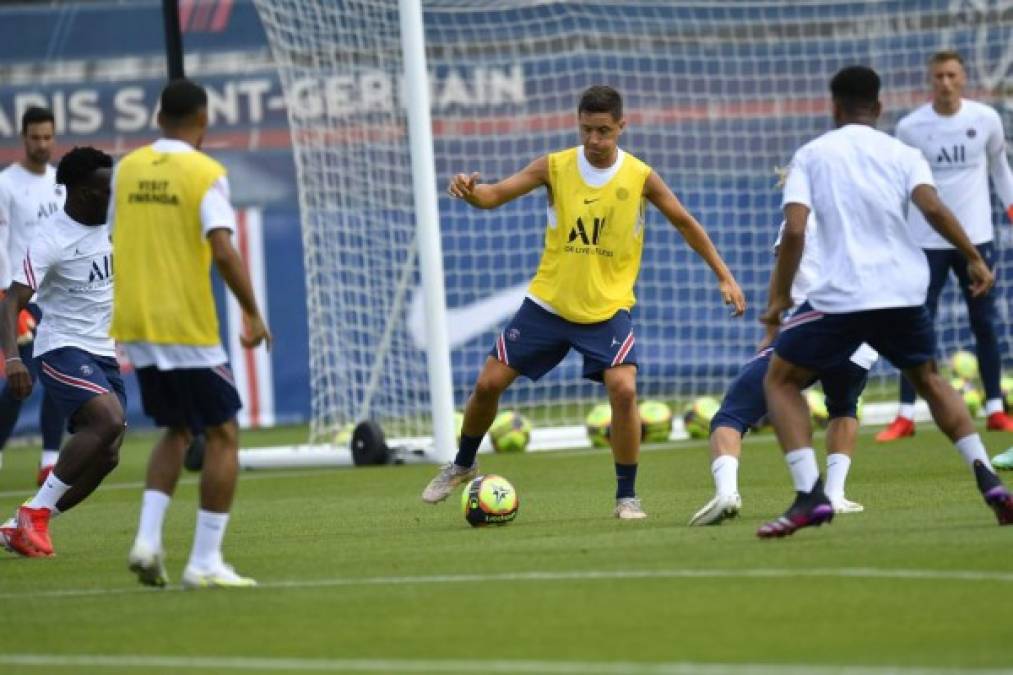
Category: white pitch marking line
[247,664]
[574,575]
[139,485]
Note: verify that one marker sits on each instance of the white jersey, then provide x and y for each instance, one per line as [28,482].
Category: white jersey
[26,198]
[70,268]
[807,275]
[962,149]
[215,213]
[857,181]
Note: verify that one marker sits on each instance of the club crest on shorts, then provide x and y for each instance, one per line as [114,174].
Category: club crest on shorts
[86,369]
[513,334]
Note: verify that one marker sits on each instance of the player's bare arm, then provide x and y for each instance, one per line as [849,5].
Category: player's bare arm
[490,195]
[789,254]
[233,272]
[946,224]
[659,194]
[14,301]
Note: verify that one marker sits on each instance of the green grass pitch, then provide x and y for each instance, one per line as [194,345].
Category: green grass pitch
[358,575]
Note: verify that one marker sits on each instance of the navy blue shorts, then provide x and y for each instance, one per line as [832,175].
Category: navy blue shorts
[822,342]
[192,398]
[745,405]
[536,340]
[72,377]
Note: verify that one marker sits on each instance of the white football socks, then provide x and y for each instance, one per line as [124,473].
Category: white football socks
[804,471]
[207,540]
[838,465]
[153,507]
[907,411]
[725,469]
[992,406]
[49,493]
[971,448]
[49,457]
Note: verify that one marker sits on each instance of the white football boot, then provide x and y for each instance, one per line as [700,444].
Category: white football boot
[629,508]
[449,477]
[718,510]
[219,576]
[843,505]
[148,564]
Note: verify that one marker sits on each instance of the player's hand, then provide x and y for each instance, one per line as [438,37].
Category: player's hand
[732,295]
[18,379]
[775,308]
[982,278]
[462,185]
[770,332]
[254,332]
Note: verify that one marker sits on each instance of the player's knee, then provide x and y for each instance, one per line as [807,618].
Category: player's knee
[622,393]
[109,427]
[487,387]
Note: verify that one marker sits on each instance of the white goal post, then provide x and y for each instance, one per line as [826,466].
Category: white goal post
[717,94]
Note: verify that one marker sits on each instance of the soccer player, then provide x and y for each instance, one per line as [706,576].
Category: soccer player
[859,182]
[964,144]
[582,293]
[171,218]
[744,406]
[29,194]
[68,266]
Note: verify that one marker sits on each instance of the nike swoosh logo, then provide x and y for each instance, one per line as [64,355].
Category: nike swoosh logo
[590,201]
[467,322]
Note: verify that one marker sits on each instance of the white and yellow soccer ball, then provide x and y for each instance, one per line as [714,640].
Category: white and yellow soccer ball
[817,407]
[964,364]
[489,500]
[655,421]
[599,425]
[697,416]
[510,432]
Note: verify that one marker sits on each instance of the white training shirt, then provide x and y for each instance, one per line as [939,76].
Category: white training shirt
[808,273]
[858,182]
[215,213]
[70,267]
[963,150]
[26,198]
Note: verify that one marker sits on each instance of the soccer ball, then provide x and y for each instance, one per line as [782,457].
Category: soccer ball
[964,364]
[344,435]
[599,424]
[489,500]
[817,408]
[698,415]
[972,397]
[510,432]
[1006,384]
[655,421]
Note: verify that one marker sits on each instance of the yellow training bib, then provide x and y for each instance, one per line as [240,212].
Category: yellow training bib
[592,252]
[163,284]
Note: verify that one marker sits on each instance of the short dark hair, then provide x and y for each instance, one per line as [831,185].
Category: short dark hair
[601,99]
[36,115]
[183,98]
[944,55]
[855,88]
[79,164]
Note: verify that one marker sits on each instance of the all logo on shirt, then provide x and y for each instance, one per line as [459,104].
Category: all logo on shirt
[101,269]
[47,209]
[956,154]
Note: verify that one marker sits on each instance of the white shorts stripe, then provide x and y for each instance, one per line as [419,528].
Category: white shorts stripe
[624,349]
[501,350]
[72,381]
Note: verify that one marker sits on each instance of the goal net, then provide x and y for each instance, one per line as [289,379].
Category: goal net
[717,94]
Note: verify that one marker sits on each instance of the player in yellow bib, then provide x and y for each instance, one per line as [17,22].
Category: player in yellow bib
[582,293]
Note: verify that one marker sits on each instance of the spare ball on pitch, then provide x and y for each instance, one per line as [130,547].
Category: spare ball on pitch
[973,399]
[510,432]
[655,421]
[964,364]
[817,407]
[1006,384]
[698,415]
[599,425]
[489,500]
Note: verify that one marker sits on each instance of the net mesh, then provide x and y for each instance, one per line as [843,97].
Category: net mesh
[716,95]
